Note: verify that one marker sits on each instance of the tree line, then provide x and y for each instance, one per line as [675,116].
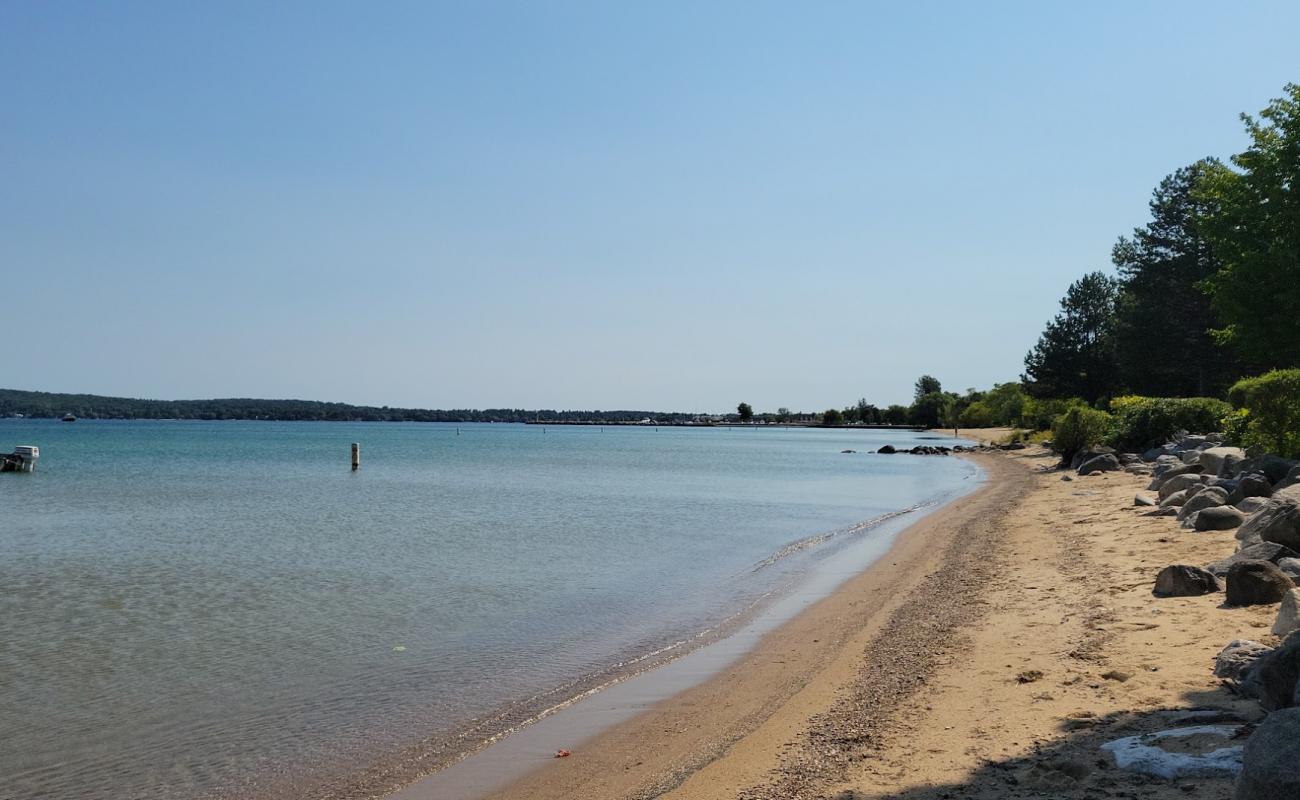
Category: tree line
[89,406]
[1206,292]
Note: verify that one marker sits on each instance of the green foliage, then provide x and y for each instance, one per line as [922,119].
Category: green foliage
[1040,412]
[1272,402]
[783,414]
[1255,231]
[745,411]
[895,415]
[1076,353]
[1079,428]
[1162,301]
[977,415]
[1006,404]
[929,409]
[926,384]
[832,417]
[867,413]
[1144,422]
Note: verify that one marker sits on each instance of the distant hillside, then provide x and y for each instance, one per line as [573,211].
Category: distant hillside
[92,406]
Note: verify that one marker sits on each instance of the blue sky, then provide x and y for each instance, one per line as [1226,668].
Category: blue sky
[585,205]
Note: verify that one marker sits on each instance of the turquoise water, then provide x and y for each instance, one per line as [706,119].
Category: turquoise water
[194,609]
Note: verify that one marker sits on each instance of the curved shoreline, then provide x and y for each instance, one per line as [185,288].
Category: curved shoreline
[638,746]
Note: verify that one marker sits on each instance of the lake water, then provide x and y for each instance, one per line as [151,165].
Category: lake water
[193,609]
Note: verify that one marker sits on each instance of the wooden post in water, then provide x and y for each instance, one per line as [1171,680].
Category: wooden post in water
[356,455]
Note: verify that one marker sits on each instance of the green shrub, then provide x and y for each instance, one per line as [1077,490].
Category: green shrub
[1040,413]
[977,415]
[1272,402]
[1079,428]
[1145,422]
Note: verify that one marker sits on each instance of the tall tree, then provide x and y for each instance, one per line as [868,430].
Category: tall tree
[925,384]
[1256,233]
[745,411]
[1163,300]
[1075,356]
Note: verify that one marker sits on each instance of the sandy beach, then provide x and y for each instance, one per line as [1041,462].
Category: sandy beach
[988,655]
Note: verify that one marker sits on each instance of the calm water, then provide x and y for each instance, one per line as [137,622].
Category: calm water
[195,609]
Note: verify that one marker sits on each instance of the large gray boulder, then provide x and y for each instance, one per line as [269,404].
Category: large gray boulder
[1277,522]
[1218,518]
[1160,476]
[1183,580]
[1105,462]
[1270,768]
[1155,453]
[1174,500]
[1205,497]
[1292,477]
[1212,458]
[1291,566]
[1275,468]
[1250,484]
[1238,658]
[1287,493]
[1264,551]
[1250,505]
[1276,673]
[1178,483]
[1256,583]
[1288,614]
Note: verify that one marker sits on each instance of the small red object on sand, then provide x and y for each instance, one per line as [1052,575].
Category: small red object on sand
[562,753]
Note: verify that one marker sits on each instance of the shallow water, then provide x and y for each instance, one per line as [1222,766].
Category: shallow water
[190,609]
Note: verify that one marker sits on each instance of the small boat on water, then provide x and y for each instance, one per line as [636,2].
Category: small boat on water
[22,459]
[69,418]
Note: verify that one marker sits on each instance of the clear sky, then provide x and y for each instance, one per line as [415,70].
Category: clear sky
[671,206]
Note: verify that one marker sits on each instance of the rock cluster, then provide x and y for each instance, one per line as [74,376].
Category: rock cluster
[1211,488]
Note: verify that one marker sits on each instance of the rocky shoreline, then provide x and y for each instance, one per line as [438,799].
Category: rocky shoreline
[1207,487]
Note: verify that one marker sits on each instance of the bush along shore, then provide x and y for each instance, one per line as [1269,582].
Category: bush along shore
[1204,486]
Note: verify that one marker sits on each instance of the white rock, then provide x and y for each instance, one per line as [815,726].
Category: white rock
[1288,614]
[1143,753]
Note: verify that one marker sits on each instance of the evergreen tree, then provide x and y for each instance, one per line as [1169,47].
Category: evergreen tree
[1255,231]
[1163,302]
[1075,356]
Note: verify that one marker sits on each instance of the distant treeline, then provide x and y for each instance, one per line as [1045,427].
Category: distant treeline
[90,406]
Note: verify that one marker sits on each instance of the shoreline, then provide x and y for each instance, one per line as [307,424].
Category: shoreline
[659,744]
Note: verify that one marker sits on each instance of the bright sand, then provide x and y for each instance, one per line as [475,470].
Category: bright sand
[1001,641]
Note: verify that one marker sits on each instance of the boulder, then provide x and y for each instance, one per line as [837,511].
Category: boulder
[1178,483]
[1239,658]
[1256,583]
[1143,500]
[1087,455]
[1292,477]
[1287,493]
[1218,518]
[1276,673]
[1174,500]
[1159,476]
[1275,468]
[1264,551]
[1106,462]
[1270,764]
[1250,505]
[1184,443]
[1250,484]
[1212,458]
[1182,580]
[887,450]
[1202,498]
[1288,614]
[1190,456]
[1277,522]
[1155,453]
[1291,566]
